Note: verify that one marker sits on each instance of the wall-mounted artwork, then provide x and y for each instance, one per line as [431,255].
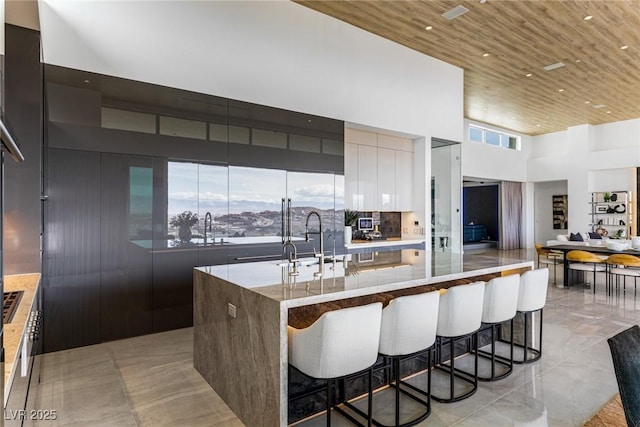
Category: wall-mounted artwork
[560,212]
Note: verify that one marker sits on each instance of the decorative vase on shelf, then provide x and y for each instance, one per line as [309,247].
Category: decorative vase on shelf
[348,233]
[184,233]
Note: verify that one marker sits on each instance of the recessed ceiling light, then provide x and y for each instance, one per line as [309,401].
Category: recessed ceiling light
[588,18]
[560,90]
[538,125]
[624,47]
[485,54]
[578,60]
[429,27]
[87,81]
[483,1]
[587,102]
[514,117]
[529,75]
[309,121]
[608,112]
[599,106]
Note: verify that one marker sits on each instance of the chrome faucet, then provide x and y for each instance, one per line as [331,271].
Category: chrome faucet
[291,260]
[319,233]
[208,218]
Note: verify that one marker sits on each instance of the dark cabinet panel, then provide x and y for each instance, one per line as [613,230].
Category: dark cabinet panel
[116,264]
[173,288]
[23,101]
[72,250]
[125,240]
[213,255]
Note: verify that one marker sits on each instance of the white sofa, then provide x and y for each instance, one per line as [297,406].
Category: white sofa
[563,239]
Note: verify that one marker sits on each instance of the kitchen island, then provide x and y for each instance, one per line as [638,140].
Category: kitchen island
[241,313]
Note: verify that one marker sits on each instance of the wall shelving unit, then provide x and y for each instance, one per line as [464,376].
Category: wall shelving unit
[613,215]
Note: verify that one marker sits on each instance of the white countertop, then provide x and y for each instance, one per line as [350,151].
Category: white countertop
[362,275]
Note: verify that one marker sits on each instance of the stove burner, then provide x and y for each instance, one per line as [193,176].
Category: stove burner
[10,304]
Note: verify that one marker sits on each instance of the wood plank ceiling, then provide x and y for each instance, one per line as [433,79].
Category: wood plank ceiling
[600,82]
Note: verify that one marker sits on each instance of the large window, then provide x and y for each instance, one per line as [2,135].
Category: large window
[197,193]
[493,137]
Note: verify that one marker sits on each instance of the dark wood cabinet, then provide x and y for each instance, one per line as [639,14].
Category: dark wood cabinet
[71,263]
[173,288]
[114,267]
[125,250]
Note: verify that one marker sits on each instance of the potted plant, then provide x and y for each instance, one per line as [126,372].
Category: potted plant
[350,218]
[184,222]
[606,197]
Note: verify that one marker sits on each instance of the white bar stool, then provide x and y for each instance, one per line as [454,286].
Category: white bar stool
[340,343]
[408,329]
[459,317]
[532,297]
[499,306]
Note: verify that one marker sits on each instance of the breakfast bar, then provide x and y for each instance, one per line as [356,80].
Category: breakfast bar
[241,312]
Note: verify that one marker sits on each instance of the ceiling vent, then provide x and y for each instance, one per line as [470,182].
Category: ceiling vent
[455,12]
[553,66]
[599,106]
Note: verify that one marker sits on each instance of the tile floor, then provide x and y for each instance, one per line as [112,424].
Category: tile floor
[150,380]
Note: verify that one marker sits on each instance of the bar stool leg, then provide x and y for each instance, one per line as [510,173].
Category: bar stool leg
[329,402]
[370,396]
[493,350]
[526,341]
[452,358]
[396,369]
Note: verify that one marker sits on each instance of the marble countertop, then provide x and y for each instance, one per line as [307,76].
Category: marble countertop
[14,331]
[357,274]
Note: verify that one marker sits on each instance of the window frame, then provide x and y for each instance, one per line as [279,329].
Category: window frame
[503,137]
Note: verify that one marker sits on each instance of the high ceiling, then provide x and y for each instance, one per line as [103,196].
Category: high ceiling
[499,43]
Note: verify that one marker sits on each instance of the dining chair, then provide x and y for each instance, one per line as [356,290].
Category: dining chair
[625,352]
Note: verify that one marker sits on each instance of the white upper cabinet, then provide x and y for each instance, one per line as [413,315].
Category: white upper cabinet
[386,180]
[378,172]
[367,178]
[404,180]
[351,196]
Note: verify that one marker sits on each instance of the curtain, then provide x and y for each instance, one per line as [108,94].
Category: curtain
[511,224]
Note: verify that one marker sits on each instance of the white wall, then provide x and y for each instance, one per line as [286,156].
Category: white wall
[275,53]
[615,135]
[495,163]
[543,192]
[590,158]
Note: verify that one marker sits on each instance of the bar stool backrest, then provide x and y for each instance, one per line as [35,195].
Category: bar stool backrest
[623,259]
[583,256]
[339,343]
[533,290]
[409,324]
[460,311]
[501,299]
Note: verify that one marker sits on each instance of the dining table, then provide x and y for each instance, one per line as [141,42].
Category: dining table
[600,250]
